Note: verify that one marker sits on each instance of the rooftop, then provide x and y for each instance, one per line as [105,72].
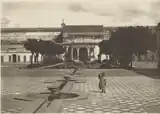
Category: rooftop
[13,48]
[83,28]
[68,28]
[44,29]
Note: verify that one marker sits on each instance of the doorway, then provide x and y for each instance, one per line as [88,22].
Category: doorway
[14,58]
[83,54]
[2,59]
[75,54]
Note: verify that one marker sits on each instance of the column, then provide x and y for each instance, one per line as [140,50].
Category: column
[71,53]
[94,52]
[78,53]
[94,40]
[66,49]
[88,51]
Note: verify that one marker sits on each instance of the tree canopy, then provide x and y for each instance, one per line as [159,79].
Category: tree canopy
[43,47]
[129,40]
[59,38]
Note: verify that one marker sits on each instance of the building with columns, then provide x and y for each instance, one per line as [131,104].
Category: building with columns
[81,41]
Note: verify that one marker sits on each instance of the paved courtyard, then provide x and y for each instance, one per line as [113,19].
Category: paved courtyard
[126,91]
[123,94]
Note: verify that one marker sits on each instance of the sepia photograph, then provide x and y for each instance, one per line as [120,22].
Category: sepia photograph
[80,56]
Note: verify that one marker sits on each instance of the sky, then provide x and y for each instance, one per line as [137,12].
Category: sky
[49,13]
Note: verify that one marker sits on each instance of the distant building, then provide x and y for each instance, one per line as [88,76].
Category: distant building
[80,41]
[15,53]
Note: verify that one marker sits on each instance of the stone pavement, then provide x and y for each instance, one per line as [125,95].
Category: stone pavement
[126,91]
[123,94]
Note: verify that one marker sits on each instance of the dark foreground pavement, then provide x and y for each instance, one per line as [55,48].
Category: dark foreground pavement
[126,91]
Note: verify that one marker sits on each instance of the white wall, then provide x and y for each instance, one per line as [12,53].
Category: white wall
[96,52]
[5,57]
[103,57]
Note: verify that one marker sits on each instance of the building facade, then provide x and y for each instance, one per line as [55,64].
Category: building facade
[81,41]
[16,53]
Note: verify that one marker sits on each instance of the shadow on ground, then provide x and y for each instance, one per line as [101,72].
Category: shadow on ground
[149,72]
[16,103]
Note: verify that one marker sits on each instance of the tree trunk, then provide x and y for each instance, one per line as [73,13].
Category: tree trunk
[37,55]
[131,59]
[139,57]
[131,64]
[99,57]
[32,59]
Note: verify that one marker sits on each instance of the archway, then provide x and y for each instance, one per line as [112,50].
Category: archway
[10,58]
[2,59]
[24,58]
[74,54]
[19,58]
[83,54]
[14,58]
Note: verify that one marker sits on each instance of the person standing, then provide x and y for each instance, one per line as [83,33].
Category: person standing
[102,82]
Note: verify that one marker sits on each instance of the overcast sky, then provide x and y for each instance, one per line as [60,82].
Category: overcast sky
[49,13]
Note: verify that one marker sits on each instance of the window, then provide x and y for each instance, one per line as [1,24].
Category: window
[19,58]
[2,59]
[24,58]
[14,57]
[11,48]
[10,58]
[30,58]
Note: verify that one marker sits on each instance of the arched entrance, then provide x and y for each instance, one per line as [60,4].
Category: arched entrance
[2,59]
[68,55]
[83,54]
[19,58]
[14,58]
[24,58]
[74,54]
